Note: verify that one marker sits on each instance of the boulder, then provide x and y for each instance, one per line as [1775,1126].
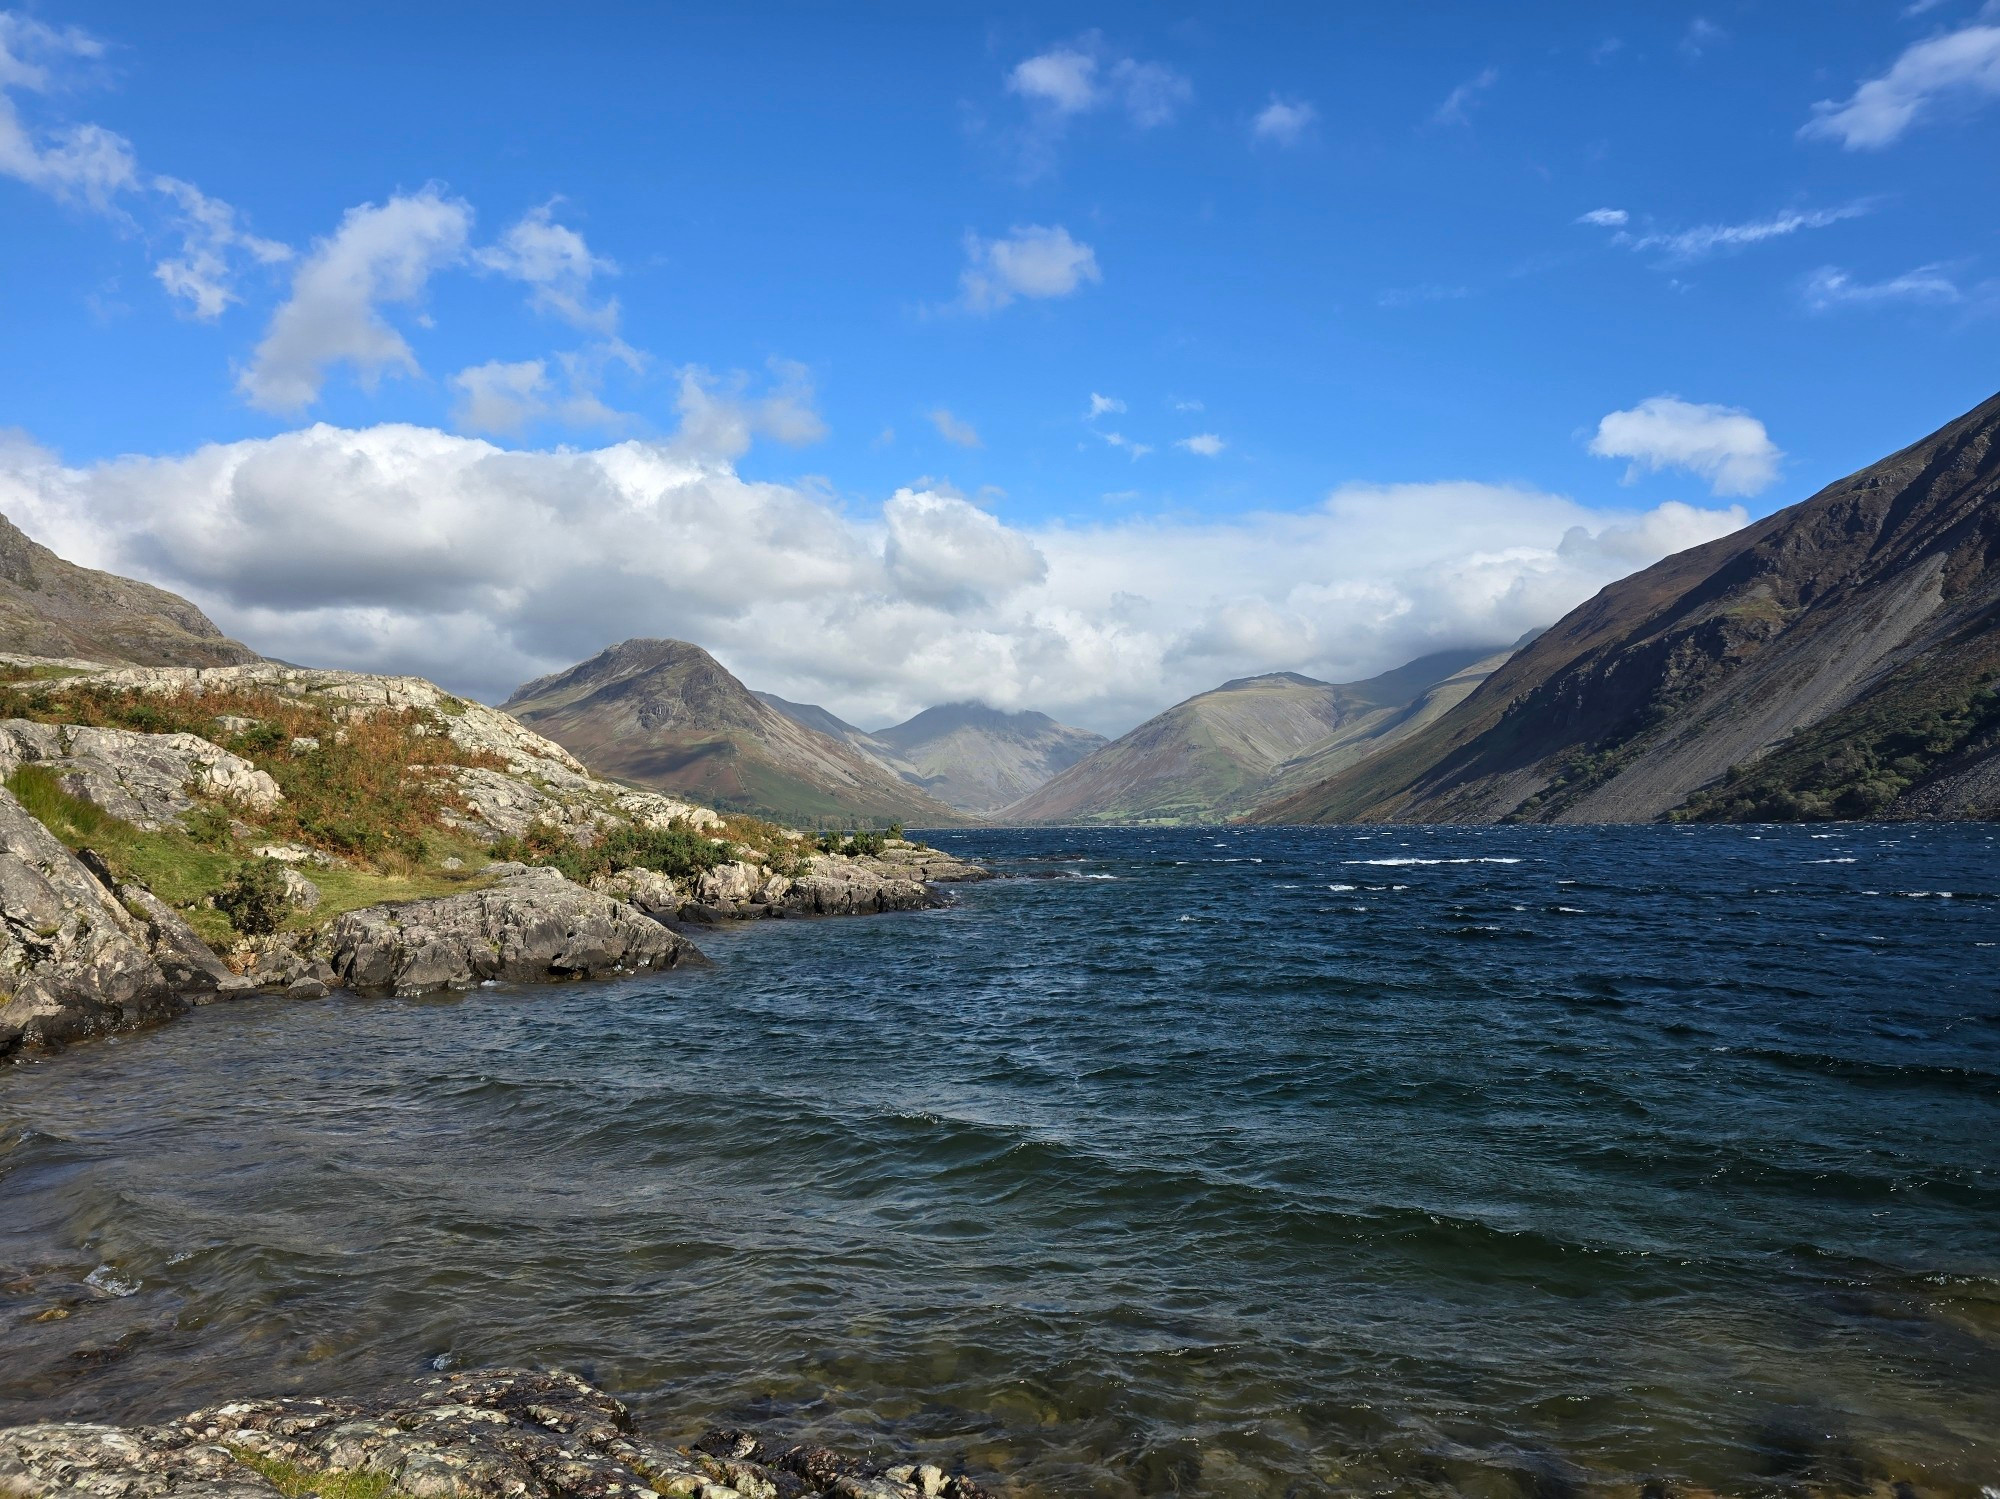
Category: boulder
[147,780]
[533,926]
[73,961]
[189,964]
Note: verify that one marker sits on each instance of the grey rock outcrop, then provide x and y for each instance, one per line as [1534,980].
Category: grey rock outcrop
[147,780]
[189,964]
[73,961]
[532,926]
[500,1434]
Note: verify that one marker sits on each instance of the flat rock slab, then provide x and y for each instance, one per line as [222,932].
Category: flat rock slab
[491,1434]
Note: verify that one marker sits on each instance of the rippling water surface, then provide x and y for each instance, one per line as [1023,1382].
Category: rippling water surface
[1498,1161]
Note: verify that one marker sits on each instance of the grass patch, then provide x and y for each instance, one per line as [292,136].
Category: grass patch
[294,1481]
[184,871]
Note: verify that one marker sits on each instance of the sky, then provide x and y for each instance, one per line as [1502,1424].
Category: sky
[1067,358]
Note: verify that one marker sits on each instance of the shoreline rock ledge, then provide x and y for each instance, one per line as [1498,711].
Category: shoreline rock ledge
[489,1434]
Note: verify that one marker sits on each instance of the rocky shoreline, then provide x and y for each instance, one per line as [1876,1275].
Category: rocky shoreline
[488,1434]
[86,951]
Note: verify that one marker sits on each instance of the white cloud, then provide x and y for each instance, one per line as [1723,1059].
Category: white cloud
[204,274]
[1063,79]
[1134,450]
[1457,106]
[1206,444]
[1829,287]
[1726,446]
[379,254]
[88,166]
[80,164]
[1033,260]
[1077,77]
[1960,66]
[1606,218]
[1701,34]
[554,260]
[1710,239]
[501,398]
[402,548]
[1101,405]
[952,430]
[1283,121]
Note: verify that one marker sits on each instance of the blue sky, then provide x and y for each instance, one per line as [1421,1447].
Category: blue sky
[1581,262]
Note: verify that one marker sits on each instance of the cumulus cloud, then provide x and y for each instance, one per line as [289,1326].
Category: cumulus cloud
[1033,260]
[1958,68]
[556,263]
[407,549]
[499,397]
[378,255]
[1606,218]
[1133,450]
[1726,446]
[1206,444]
[952,430]
[1076,77]
[1283,122]
[1102,406]
[1457,106]
[1711,239]
[1828,287]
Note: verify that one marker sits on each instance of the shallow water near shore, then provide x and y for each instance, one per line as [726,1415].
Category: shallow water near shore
[1486,1161]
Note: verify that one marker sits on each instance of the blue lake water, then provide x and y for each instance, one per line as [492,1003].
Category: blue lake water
[1495,1161]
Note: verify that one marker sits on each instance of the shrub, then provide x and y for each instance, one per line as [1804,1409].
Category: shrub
[254,900]
[676,849]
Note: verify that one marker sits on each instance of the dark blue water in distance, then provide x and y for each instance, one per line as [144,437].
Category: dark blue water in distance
[1507,1161]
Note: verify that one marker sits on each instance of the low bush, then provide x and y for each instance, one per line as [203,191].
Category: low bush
[254,900]
[676,849]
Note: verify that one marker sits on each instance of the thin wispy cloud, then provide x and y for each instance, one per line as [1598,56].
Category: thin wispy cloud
[952,430]
[1958,70]
[1458,104]
[1703,240]
[1927,285]
[1411,296]
[1203,444]
[1086,76]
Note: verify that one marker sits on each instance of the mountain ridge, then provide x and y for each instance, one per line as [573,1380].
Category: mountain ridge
[1716,683]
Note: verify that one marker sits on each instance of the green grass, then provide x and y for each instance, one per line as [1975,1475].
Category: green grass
[294,1481]
[184,871]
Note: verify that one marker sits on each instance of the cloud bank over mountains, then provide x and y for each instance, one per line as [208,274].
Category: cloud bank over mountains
[404,548]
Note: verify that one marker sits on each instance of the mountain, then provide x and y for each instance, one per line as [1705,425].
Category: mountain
[1219,753]
[665,714]
[49,607]
[980,759]
[1836,659]
[967,755]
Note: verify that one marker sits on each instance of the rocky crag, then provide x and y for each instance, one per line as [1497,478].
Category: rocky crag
[144,870]
[1837,659]
[498,1434]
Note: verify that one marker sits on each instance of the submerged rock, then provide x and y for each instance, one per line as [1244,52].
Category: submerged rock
[493,1434]
[533,926]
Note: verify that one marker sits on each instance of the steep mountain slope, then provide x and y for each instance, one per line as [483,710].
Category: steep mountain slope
[664,714]
[980,759]
[49,607]
[1834,659]
[1215,755]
